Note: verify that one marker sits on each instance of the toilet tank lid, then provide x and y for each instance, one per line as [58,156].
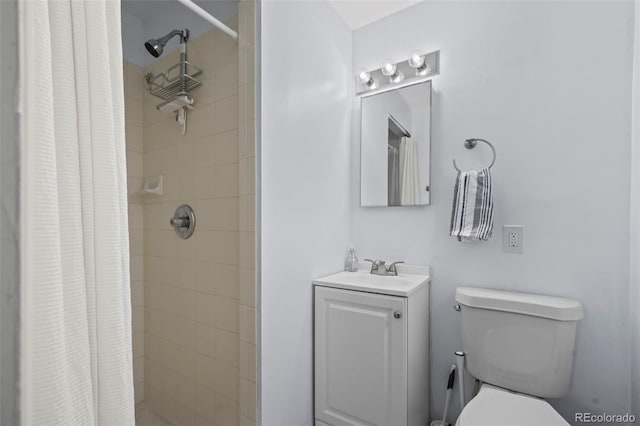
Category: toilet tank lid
[555,308]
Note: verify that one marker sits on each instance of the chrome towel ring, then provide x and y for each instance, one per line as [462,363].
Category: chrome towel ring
[470,144]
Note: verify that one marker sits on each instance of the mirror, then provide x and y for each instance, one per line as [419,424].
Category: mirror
[395,145]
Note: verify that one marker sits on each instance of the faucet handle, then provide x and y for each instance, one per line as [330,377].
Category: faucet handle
[392,268]
[375,264]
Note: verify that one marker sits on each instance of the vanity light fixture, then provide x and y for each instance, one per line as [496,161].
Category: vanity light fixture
[390,69]
[418,61]
[418,67]
[366,79]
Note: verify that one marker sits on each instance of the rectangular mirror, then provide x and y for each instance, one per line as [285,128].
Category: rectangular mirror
[395,145]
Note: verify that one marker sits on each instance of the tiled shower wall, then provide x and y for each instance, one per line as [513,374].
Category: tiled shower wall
[133,128]
[192,309]
[247,209]
[195,300]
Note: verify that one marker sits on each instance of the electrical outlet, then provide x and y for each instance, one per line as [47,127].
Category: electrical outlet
[512,238]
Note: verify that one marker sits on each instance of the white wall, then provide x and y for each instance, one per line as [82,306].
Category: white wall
[549,84]
[305,133]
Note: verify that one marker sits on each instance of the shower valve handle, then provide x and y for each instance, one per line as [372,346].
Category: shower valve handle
[179,222]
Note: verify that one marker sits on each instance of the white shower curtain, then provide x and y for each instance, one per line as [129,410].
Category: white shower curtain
[634,261]
[76,356]
[409,176]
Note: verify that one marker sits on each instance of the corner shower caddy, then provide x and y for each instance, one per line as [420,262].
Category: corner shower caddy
[173,85]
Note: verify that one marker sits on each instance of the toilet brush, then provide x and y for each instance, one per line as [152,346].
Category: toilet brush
[452,378]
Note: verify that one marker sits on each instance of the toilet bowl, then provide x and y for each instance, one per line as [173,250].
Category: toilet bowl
[521,347]
[494,406]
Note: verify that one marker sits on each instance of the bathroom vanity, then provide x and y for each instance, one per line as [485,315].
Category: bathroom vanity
[371,345]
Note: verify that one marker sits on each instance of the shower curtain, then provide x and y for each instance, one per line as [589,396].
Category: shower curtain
[76,355]
[409,177]
[634,261]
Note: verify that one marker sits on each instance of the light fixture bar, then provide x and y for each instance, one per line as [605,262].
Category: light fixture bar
[395,75]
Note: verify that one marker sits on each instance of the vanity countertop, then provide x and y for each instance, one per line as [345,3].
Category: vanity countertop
[410,279]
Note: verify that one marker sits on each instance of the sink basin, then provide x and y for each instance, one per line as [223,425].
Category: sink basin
[410,279]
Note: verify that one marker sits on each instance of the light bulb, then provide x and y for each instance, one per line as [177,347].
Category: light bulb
[416,60]
[364,77]
[389,68]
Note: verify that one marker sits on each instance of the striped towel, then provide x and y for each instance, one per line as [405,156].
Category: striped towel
[472,213]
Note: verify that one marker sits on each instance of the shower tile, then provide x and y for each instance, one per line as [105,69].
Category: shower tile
[133,112]
[138,344]
[227,80]
[138,370]
[206,93]
[247,324]
[201,421]
[153,320]
[247,287]
[226,147]
[187,304]
[225,214]
[225,247]
[226,50]
[245,421]
[186,416]
[205,277]
[187,393]
[225,180]
[244,397]
[136,242]
[134,138]
[137,318]
[242,213]
[227,381]
[206,340]
[226,114]
[226,314]
[151,115]
[137,268]
[248,361]
[200,123]
[186,363]
[226,281]
[206,371]
[251,216]
[205,308]
[203,152]
[137,293]
[226,347]
[227,411]
[205,404]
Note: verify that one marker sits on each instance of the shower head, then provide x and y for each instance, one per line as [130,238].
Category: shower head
[156,46]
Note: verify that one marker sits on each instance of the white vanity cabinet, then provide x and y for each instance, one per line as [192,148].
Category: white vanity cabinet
[371,345]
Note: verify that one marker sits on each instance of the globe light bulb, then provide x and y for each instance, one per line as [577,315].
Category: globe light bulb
[389,68]
[364,77]
[416,60]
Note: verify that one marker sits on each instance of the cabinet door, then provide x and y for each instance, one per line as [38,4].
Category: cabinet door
[360,358]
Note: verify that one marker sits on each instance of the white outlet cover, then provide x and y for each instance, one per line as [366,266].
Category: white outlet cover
[512,238]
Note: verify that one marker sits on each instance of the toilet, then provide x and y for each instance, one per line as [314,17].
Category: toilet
[520,347]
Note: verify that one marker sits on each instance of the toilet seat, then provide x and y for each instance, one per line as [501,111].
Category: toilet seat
[494,406]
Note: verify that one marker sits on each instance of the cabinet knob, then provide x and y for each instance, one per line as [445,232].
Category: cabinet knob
[397,314]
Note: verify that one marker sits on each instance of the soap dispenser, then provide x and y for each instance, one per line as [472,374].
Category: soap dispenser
[351,260]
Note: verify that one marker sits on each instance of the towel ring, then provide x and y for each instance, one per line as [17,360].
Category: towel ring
[470,144]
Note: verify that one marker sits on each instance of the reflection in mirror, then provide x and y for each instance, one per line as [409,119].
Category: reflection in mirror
[395,147]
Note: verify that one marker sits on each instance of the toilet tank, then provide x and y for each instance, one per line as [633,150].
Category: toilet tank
[519,341]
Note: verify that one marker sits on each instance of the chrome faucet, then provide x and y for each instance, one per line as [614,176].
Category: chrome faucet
[378,267]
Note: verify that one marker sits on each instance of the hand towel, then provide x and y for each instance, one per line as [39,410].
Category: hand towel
[472,213]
